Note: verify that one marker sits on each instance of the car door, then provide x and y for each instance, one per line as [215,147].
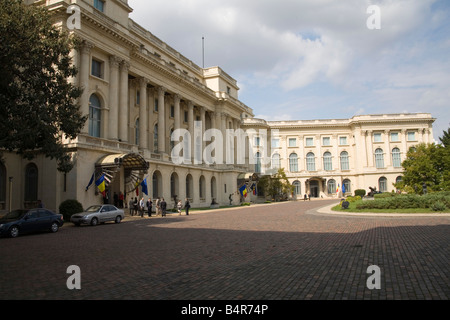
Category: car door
[30,222]
[45,219]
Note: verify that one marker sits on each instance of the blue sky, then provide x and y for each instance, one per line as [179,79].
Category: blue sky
[317,59]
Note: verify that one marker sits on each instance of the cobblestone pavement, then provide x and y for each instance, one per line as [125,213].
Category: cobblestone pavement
[283,251]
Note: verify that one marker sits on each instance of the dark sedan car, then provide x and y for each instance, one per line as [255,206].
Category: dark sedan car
[22,221]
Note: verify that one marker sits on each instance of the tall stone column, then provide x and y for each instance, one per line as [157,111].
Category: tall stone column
[370,154]
[113,121]
[387,153]
[85,59]
[143,134]
[161,120]
[123,101]
[191,127]
[177,111]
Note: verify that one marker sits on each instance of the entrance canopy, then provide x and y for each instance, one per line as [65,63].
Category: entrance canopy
[131,161]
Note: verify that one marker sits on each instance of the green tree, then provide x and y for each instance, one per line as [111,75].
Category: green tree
[429,164]
[38,103]
[445,139]
[276,186]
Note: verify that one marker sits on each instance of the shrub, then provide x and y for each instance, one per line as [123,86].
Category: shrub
[438,206]
[245,203]
[69,207]
[360,192]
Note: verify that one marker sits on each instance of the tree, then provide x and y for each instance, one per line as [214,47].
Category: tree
[445,139]
[277,186]
[38,103]
[426,164]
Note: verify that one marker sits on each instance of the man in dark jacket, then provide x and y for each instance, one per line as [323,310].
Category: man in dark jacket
[187,205]
[163,205]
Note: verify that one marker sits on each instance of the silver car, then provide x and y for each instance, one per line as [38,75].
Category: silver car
[98,214]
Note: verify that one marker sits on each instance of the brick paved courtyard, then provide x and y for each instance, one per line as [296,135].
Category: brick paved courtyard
[284,251]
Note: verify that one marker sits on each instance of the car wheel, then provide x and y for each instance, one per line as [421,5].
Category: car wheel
[118,219]
[54,228]
[94,222]
[13,231]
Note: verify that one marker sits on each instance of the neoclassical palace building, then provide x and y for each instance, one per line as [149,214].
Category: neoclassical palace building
[138,91]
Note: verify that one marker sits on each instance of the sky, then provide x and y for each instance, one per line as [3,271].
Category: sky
[317,59]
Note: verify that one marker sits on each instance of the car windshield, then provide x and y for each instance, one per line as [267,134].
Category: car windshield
[16,214]
[93,209]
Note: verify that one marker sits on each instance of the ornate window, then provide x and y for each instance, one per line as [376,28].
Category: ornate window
[293,162]
[95,116]
[327,161]
[310,162]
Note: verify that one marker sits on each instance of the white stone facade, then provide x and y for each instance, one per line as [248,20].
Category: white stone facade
[138,90]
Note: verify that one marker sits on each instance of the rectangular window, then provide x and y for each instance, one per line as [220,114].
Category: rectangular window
[172,111]
[138,97]
[156,105]
[97,68]
[292,142]
[275,143]
[257,141]
[394,137]
[343,141]
[309,142]
[99,5]
[326,141]
[377,137]
[411,136]
[186,116]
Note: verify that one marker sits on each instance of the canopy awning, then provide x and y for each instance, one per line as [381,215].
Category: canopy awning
[248,176]
[132,161]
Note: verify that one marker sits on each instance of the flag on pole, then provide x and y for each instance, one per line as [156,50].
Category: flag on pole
[90,181]
[343,189]
[100,183]
[243,190]
[144,186]
[337,189]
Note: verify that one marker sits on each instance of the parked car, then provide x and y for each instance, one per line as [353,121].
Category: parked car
[22,221]
[98,214]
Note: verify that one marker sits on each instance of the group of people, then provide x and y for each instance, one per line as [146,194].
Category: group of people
[138,207]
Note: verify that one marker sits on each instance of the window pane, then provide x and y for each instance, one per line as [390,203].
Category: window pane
[293,162]
[326,141]
[309,142]
[411,136]
[292,142]
[377,137]
[379,158]
[343,141]
[275,143]
[96,68]
[310,162]
[394,137]
[344,161]
[327,161]
[396,158]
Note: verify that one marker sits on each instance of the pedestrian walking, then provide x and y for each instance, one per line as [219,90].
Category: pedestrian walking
[163,205]
[135,206]
[131,206]
[179,206]
[149,207]
[187,205]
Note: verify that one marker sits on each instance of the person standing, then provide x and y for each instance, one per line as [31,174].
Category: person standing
[141,207]
[149,207]
[163,205]
[158,206]
[179,206]
[187,205]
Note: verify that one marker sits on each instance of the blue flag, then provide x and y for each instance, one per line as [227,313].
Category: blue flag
[343,188]
[90,182]
[144,186]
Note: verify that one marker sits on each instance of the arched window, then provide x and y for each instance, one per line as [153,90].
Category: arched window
[173,184]
[348,185]
[276,161]
[327,161]
[31,183]
[331,186]
[258,162]
[155,138]
[2,187]
[136,132]
[344,161]
[396,158]
[189,186]
[213,187]
[379,158]
[310,162]
[95,116]
[297,187]
[157,184]
[382,184]
[293,162]
[201,187]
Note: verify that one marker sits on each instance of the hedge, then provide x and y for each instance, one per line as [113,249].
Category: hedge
[438,201]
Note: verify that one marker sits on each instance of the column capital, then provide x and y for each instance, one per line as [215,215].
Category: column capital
[176,98]
[114,61]
[86,46]
[125,65]
[161,90]
[143,81]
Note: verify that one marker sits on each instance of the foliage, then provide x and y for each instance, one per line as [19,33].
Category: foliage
[426,164]
[360,192]
[438,201]
[276,186]
[445,139]
[38,102]
[69,207]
